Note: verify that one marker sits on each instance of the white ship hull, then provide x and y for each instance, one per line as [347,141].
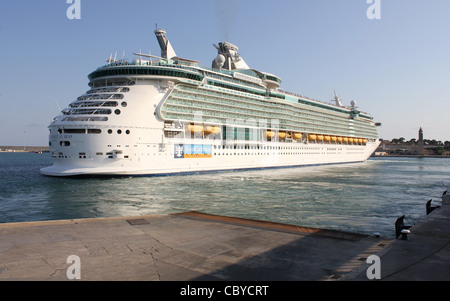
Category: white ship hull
[163,159]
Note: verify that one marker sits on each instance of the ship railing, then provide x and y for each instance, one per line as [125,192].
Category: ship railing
[169,63]
[312,99]
[96,109]
[298,95]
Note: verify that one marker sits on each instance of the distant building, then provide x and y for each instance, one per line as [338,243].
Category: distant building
[404,148]
[420,143]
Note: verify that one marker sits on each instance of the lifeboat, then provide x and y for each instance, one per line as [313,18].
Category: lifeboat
[319,137]
[340,139]
[194,128]
[334,138]
[364,141]
[269,134]
[327,138]
[312,137]
[360,140]
[345,139]
[298,135]
[281,135]
[212,130]
[350,140]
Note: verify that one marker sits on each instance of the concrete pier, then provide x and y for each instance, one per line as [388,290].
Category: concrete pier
[196,246]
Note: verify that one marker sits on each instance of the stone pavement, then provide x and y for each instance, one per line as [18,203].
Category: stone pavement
[187,246]
[196,246]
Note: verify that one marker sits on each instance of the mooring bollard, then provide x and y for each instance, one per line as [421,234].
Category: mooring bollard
[405,233]
[399,226]
[445,198]
[430,208]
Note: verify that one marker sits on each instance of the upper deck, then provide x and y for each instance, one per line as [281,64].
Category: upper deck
[247,80]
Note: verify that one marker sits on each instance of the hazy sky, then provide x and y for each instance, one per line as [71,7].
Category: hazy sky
[396,68]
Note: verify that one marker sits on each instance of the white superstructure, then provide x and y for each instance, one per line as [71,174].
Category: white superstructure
[169,115]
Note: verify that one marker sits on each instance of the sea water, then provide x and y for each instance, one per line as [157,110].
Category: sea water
[363,197]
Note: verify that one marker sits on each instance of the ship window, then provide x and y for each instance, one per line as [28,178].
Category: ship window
[117,112]
[124,104]
[88,112]
[119,132]
[85,119]
[94,131]
[100,96]
[74,131]
[85,104]
[109,131]
[127,132]
[111,82]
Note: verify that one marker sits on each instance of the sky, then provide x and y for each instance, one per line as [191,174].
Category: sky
[395,67]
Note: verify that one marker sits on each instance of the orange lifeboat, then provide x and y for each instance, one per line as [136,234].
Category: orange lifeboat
[298,135]
[269,134]
[212,130]
[193,128]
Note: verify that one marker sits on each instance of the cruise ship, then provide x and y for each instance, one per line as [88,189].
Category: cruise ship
[167,115]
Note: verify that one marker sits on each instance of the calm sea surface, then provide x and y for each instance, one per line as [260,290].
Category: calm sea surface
[363,198]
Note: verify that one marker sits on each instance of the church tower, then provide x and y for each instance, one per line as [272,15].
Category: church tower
[420,144]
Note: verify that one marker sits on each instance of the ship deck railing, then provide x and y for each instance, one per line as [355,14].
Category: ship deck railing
[312,99]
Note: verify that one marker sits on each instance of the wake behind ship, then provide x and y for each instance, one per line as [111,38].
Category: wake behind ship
[169,115]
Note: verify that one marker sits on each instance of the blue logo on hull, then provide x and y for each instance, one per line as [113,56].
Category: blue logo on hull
[192,151]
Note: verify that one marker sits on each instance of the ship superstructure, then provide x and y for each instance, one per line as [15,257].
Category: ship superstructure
[165,114]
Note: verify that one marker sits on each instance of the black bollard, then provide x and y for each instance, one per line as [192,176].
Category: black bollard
[405,234]
[399,226]
[429,207]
